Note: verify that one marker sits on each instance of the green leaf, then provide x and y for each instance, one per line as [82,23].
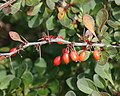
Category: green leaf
[35,21]
[70,93]
[101,18]
[66,22]
[27,78]
[103,58]
[36,9]
[50,4]
[117,2]
[32,2]
[86,85]
[95,93]
[104,72]
[62,33]
[99,82]
[50,23]
[40,65]
[15,83]
[1,93]
[20,70]
[116,13]
[4,49]
[117,36]
[71,82]
[113,24]
[43,92]
[3,72]
[15,7]
[54,86]
[5,81]
[32,93]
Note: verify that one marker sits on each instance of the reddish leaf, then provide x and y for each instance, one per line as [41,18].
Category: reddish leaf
[89,23]
[15,36]
[2,58]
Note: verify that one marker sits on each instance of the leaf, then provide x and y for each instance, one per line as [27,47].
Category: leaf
[70,93]
[113,24]
[104,72]
[35,21]
[50,4]
[21,69]
[117,36]
[32,2]
[54,86]
[66,22]
[89,23]
[15,7]
[116,13]
[103,58]
[40,65]
[2,58]
[4,82]
[15,83]
[62,33]
[71,82]
[117,2]
[104,94]
[95,93]
[86,85]
[50,23]
[99,82]
[27,78]
[101,18]
[35,10]
[15,36]
[3,71]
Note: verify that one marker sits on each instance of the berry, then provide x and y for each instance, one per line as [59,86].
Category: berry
[60,38]
[12,50]
[66,58]
[74,56]
[57,61]
[82,56]
[96,54]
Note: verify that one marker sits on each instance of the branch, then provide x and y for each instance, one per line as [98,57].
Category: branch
[6,4]
[54,40]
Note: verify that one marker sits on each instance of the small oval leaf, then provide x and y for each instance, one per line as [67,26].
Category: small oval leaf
[89,23]
[15,36]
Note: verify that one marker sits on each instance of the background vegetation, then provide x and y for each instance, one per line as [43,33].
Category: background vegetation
[26,74]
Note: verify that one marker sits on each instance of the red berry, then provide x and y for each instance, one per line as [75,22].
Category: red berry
[82,56]
[74,56]
[57,61]
[60,38]
[12,50]
[66,58]
[96,54]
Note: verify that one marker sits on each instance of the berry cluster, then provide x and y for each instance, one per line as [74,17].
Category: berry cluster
[74,56]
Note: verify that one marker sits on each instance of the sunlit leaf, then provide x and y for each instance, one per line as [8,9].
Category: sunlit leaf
[15,36]
[86,85]
[70,93]
[89,23]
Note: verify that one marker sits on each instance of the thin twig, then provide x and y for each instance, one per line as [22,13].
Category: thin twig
[55,40]
[6,4]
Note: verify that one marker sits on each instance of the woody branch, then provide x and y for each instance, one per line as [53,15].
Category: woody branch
[55,40]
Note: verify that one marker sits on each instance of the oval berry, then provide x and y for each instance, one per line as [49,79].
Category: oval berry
[82,56]
[60,38]
[96,54]
[12,50]
[74,56]
[66,58]
[57,61]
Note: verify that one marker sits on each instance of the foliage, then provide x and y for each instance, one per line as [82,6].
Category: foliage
[32,73]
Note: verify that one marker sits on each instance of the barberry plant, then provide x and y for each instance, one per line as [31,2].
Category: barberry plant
[60,47]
